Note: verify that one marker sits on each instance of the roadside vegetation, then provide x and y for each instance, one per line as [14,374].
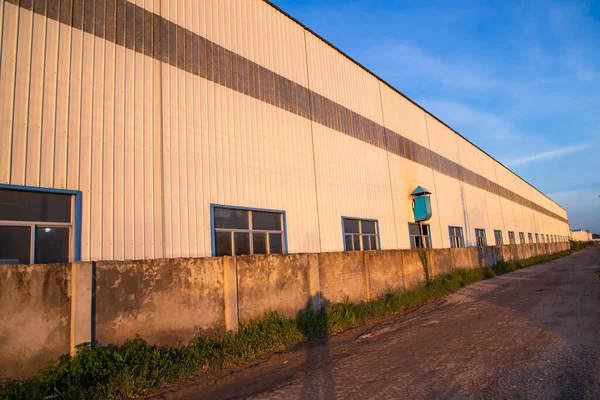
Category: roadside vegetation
[135,369]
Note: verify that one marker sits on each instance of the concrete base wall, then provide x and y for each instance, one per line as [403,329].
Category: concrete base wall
[440,262]
[341,276]
[412,268]
[167,302]
[385,269]
[45,310]
[35,316]
[467,257]
[272,282]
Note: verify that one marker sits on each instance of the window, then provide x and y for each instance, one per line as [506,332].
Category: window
[547,238]
[35,227]
[498,237]
[537,238]
[521,238]
[360,234]
[456,236]
[419,239]
[240,231]
[480,237]
[511,237]
[530,237]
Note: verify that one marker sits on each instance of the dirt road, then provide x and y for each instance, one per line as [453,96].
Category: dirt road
[534,333]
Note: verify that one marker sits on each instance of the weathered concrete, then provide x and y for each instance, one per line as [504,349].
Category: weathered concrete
[440,261]
[466,257]
[487,256]
[546,248]
[514,252]
[81,304]
[315,285]
[230,294]
[412,269]
[384,272]
[45,310]
[278,282]
[342,275]
[503,253]
[35,317]
[166,301]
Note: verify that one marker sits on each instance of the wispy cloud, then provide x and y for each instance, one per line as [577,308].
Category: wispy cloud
[409,61]
[460,115]
[547,155]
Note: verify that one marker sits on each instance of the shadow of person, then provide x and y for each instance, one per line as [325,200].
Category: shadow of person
[318,382]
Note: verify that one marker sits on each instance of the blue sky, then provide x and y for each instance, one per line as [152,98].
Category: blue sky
[519,79]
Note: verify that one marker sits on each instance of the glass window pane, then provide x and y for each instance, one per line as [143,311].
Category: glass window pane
[241,243]
[275,243]
[266,221]
[231,219]
[428,241]
[373,243]
[259,243]
[368,227]
[413,229]
[223,244]
[366,242]
[348,242]
[356,239]
[51,245]
[15,244]
[350,226]
[20,205]
[425,229]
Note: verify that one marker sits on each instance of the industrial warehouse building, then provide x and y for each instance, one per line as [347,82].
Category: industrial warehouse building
[197,128]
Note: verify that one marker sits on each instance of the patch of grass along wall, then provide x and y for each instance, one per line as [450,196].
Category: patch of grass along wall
[135,368]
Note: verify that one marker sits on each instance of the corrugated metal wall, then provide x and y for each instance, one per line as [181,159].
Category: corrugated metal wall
[154,119]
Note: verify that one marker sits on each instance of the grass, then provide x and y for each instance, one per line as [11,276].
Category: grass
[135,369]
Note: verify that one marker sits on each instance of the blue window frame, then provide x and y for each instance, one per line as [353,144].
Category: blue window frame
[499,238]
[244,231]
[39,225]
[420,237]
[360,234]
[456,236]
[481,237]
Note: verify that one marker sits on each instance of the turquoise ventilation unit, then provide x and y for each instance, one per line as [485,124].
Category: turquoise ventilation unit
[421,204]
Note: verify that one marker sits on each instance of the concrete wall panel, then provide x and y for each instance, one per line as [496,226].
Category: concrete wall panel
[385,272]
[341,276]
[166,301]
[466,257]
[413,271]
[440,262]
[272,282]
[35,311]
[487,256]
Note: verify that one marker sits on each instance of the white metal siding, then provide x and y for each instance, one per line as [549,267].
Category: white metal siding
[151,146]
